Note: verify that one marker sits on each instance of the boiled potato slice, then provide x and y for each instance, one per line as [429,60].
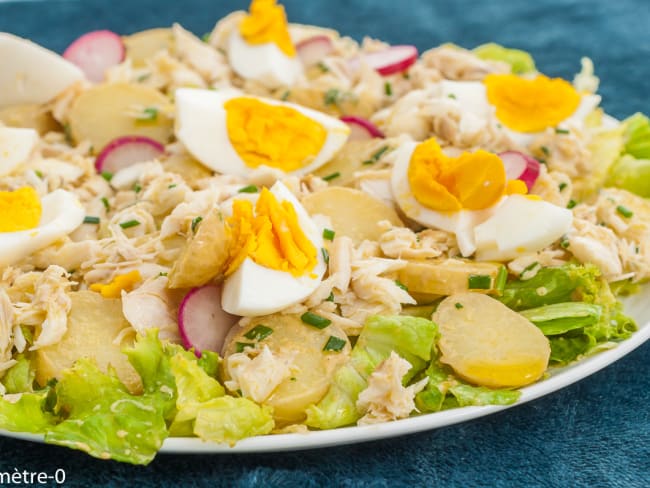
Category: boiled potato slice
[186,166]
[31,116]
[488,344]
[93,324]
[143,45]
[351,158]
[313,367]
[353,213]
[106,111]
[445,276]
[205,254]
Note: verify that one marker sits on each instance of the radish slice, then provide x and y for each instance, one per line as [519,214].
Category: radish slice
[125,151]
[395,59]
[202,322]
[361,129]
[95,52]
[314,49]
[520,166]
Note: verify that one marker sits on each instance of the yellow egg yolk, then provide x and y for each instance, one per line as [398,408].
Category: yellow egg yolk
[270,235]
[19,210]
[531,105]
[471,181]
[267,22]
[272,135]
[114,289]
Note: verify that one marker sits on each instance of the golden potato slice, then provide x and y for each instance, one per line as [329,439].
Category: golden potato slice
[186,166]
[488,344]
[94,323]
[30,116]
[143,45]
[353,156]
[313,368]
[353,213]
[204,256]
[107,111]
[447,276]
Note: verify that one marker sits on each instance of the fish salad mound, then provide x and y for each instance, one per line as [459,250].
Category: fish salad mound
[277,229]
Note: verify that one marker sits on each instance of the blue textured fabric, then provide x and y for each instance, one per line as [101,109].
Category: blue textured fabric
[594,433]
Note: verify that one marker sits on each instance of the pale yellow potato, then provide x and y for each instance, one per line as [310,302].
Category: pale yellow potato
[313,367]
[94,323]
[353,213]
[108,111]
[144,44]
[186,166]
[488,344]
[204,255]
[444,276]
[30,116]
[350,159]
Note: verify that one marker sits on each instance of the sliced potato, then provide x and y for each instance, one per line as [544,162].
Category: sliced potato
[107,111]
[488,344]
[205,254]
[186,166]
[144,44]
[446,276]
[94,323]
[353,213]
[313,368]
[30,116]
[351,158]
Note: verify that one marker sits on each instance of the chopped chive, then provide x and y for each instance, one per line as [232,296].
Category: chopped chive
[195,222]
[326,255]
[129,223]
[401,285]
[330,297]
[107,205]
[624,211]
[375,157]
[258,333]
[67,132]
[38,173]
[564,243]
[293,378]
[240,346]
[285,96]
[323,67]
[479,282]
[561,131]
[500,281]
[248,189]
[173,185]
[137,188]
[528,268]
[388,88]
[545,150]
[88,219]
[328,234]
[107,175]
[458,305]
[562,186]
[163,273]
[334,344]
[541,160]
[314,320]
[206,37]
[332,96]
[452,96]
[149,114]
[572,203]
[330,177]
[143,77]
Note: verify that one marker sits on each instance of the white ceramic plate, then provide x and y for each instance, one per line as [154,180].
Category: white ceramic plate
[638,306]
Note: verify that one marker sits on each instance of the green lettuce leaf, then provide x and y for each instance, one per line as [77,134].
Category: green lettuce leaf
[631,174]
[26,412]
[20,377]
[637,136]
[520,62]
[605,148]
[412,338]
[559,318]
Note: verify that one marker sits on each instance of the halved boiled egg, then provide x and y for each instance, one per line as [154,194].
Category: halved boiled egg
[29,223]
[276,258]
[16,145]
[260,48]
[233,133]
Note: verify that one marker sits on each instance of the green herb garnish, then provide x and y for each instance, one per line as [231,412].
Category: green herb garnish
[88,219]
[129,223]
[107,175]
[401,285]
[388,88]
[258,333]
[458,305]
[326,255]
[500,281]
[195,222]
[572,203]
[562,186]
[332,176]
[149,114]
[624,211]
[323,67]
[240,346]
[328,234]
[248,189]
[107,205]
[314,320]
[561,131]
[479,282]
[334,344]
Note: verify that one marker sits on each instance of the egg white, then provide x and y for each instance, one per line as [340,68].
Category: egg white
[16,146]
[254,290]
[201,127]
[264,63]
[62,213]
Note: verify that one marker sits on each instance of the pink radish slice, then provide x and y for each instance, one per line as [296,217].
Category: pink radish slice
[395,59]
[125,151]
[314,49]
[361,129]
[202,322]
[520,166]
[95,52]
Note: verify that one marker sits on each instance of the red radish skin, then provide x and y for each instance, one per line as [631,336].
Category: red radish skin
[127,150]
[313,49]
[520,166]
[202,322]
[395,59]
[95,52]
[361,129]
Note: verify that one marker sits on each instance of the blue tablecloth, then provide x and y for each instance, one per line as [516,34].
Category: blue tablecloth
[594,433]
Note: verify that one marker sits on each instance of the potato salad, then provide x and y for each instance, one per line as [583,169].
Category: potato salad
[277,229]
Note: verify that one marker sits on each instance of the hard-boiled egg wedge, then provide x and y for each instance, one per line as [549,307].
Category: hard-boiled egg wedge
[16,145]
[234,133]
[29,223]
[276,258]
[520,225]
[32,74]
[261,49]
[452,194]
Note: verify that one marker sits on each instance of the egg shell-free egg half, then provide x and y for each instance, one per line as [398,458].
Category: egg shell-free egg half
[62,214]
[254,290]
[201,127]
[16,146]
[461,223]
